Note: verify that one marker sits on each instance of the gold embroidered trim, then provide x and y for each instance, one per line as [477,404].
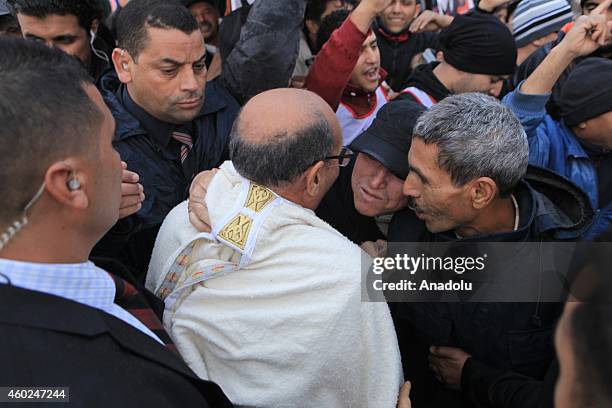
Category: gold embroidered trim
[237,230]
[258,197]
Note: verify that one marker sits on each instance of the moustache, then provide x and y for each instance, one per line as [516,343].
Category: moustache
[206,25]
[190,97]
[412,204]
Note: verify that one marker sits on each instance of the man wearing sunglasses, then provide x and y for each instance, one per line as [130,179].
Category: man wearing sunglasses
[268,304]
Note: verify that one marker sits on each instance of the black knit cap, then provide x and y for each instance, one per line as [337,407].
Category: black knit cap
[587,92]
[389,137]
[479,43]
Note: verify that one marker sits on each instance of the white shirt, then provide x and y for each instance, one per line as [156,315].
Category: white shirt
[84,283]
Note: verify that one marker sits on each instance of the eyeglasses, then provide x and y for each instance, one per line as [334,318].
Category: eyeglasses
[344,158]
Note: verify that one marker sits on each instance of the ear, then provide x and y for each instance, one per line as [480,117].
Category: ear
[95,24]
[58,176]
[582,125]
[417,8]
[314,179]
[312,26]
[122,60]
[482,192]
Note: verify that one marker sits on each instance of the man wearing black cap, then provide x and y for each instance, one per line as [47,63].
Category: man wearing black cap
[370,187]
[578,146]
[8,23]
[479,52]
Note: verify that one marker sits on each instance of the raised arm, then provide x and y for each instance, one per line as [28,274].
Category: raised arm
[530,97]
[265,55]
[333,66]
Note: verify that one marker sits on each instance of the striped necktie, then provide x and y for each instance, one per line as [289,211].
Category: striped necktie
[130,299]
[186,142]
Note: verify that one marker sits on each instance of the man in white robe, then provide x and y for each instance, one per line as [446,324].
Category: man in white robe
[269,304]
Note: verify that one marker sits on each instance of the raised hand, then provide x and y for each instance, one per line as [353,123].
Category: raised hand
[375,6]
[588,33]
[430,21]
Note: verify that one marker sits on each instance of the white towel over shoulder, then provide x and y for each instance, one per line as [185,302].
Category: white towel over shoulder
[288,328]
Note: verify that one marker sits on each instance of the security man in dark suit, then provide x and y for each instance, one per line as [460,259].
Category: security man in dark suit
[65,322]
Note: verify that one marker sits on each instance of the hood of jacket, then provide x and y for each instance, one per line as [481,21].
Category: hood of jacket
[423,78]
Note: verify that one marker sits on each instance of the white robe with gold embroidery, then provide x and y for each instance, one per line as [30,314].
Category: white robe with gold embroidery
[286,327]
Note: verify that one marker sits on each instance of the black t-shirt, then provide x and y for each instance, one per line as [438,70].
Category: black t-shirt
[338,210]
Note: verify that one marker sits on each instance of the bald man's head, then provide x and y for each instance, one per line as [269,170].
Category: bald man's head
[280,134]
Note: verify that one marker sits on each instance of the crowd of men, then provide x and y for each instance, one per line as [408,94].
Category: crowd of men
[193,187]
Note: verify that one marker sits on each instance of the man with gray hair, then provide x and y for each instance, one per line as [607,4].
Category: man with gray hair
[269,302]
[469,181]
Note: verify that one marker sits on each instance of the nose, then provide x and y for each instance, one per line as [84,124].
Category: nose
[199,18]
[410,187]
[372,55]
[496,89]
[189,81]
[395,7]
[379,181]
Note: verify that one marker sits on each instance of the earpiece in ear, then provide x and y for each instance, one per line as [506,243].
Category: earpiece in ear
[73,184]
[125,66]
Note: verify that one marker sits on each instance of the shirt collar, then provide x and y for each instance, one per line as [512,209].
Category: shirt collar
[160,132]
[83,282]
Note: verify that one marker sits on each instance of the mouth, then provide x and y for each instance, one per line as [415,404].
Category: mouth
[414,207]
[190,103]
[421,215]
[372,74]
[369,197]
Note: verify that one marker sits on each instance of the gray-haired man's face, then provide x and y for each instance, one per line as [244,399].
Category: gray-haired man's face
[431,192]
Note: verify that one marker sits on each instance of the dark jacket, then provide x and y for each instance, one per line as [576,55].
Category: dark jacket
[554,146]
[164,183]
[338,210]
[506,336]
[54,342]
[398,50]
[424,79]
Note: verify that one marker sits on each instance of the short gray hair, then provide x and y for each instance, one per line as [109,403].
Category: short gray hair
[476,136]
[284,156]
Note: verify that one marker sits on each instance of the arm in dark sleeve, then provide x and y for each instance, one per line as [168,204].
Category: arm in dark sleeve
[333,66]
[265,55]
[487,386]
